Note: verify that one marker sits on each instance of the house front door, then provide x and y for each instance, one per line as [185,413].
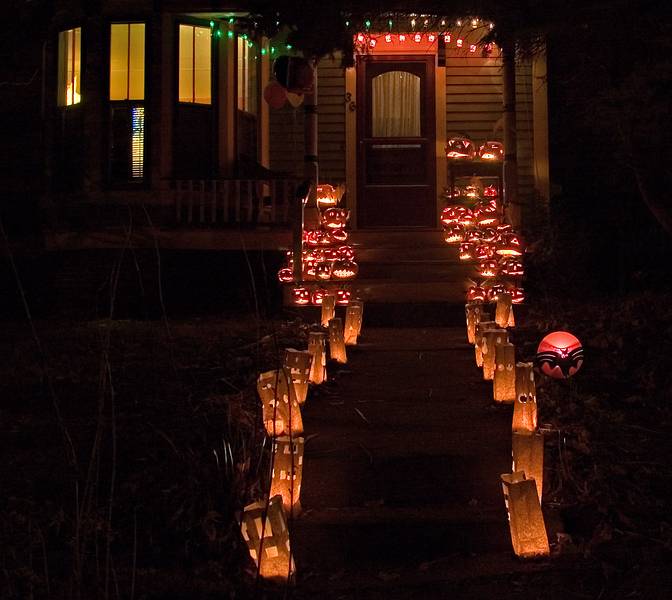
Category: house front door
[396,142]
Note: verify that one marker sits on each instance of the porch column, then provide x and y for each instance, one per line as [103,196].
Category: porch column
[511,200]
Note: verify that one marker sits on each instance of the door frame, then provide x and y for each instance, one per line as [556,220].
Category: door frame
[355,81]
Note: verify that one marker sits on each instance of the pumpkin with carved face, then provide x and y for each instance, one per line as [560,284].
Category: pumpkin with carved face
[489,235]
[504,228]
[301,295]
[474,236]
[316,237]
[309,269]
[492,291]
[345,269]
[509,244]
[511,266]
[451,214]
[342,297]
[475,293]
[454,234]
[460,148]
[560,355]
[472,191]
[327,196]
[484,252]
[491,151]
[346,252]
[335,218]
[337,236]
[285,275]
[330,254]
[323,270]
[486,215]
[517,295]
[490,191]
[317,296]
[466,251]
[467,219]
[488,268]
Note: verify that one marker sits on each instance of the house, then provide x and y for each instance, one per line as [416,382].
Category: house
[158,108]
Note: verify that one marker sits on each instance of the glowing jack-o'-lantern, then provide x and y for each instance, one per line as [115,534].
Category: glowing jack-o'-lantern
[297,366]
[467,219]
[346,252]
[317,346]
[526,522]
[454,234]
[337,341]
[492,291]
[525,404]
[328,308]
[475,293]
[490,191]
[301,295]
[509,244]
[491,151]
[335,218]
[489,340]
[342,297]
[337,236]
[486,215]
[489,235]
[472,191]
[285,275]
[488,268]
[504,310]
[559,355]
[466,251]
[286,472]
[483,326]
[460,148]
[267,538]
[323,270]
[504,379]
[456,192]
[528,456]
[317,295]
[513,267]
[316,237]
[345,269]
[484,252]
[451,215]
[353,323]
[517,294]
[281,412]
[309,269]
[327,196]
[504,228]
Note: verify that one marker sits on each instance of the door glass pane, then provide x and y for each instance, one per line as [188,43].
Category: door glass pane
[136,63]
[202,65]
[186,63]
[119,61]
[395,105]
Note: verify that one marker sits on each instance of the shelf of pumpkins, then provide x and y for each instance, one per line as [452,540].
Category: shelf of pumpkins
[327,261]
[477,226]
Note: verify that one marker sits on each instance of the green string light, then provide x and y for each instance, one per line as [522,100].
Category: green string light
[272,49]
[244,36]
[367,24]
[231,20]
[229,33]
[347,23]
[389,24]
[289,46]
[212,24]
[263,51]
[218,33]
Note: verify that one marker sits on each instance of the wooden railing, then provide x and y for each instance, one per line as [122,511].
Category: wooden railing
[233,201]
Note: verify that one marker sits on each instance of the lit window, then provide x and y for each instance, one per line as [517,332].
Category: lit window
[195,65]
[127,61]
[247,76]
[137,142]
[69,67]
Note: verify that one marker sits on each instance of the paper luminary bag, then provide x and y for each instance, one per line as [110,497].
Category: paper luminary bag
[353,323]
[526,521]
[490,339]
[267,539]
[297,364]
[504,311]
[480,329]
[328,309]
[281,412]
[527,450]
[525,404]
[337,341]
[317,346]
[287,471]
[504,380]
[474,314]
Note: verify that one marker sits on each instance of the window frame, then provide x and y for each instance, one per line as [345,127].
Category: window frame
[195,23]
[144,68]
[61,63]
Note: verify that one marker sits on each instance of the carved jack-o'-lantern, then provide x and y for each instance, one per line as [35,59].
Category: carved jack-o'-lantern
[330,254]
[474,235]
[346,252]
[460,148]
[512,267]
[486,215]
[451,214]
[504,228]
[467,219]
[472,191]
[316,237]
[488,268]
[309,269]
[344,269]
[490,191]
[491,151]
[335,218]
[504,380]
[323,270]
[456,192]
[337,236]
[475,293]
[342,297]
[509,244]
[489,235]
[301,295]
[267,538]
[315,254]
[492,291]
[484,252]
[317,296]
[466,251]
[560,355]
[327,196]
[517,294]
[526,521]
[454,234]
[286,275]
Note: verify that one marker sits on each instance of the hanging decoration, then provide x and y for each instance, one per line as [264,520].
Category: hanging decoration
[559,355]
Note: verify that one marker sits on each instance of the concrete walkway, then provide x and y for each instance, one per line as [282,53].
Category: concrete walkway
[401,489]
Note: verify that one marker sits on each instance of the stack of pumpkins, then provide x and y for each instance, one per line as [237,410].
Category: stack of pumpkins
[478,228]
[266,522]
[326,258]
[513,382]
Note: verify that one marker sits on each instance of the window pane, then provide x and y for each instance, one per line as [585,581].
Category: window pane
[241,76]
[69,67]
[251,104]
[186,64]
[202,65]
[136,63]
[395,108]
[137,142]
[119,62]
[76,65]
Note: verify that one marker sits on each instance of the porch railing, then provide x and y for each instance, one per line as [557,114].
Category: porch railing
[233,201]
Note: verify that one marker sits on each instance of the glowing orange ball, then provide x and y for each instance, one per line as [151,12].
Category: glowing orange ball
[559,355]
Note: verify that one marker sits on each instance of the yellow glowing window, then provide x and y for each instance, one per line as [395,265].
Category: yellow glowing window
[195,65]
[127,61]
[247,76]
[69,67]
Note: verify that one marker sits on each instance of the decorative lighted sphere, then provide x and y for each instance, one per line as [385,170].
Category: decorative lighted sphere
[275,95]
[559,355]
